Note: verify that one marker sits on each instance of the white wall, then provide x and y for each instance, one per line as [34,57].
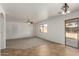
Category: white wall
[56,28]
[18,30]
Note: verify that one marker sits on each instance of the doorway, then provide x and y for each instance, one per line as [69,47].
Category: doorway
[2,32]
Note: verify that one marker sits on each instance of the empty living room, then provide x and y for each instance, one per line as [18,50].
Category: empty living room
[39,29]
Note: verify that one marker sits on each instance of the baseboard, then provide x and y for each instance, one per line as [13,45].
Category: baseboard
[22,38]
[2,48]
[49,40]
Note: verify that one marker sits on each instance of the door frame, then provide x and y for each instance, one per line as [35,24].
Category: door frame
[4,27]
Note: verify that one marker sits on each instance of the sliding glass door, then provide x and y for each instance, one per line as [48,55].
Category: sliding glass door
[72,30]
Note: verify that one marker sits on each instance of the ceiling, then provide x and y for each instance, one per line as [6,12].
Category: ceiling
[35,11]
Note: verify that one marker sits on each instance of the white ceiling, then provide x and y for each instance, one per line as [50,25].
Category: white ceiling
[35,11]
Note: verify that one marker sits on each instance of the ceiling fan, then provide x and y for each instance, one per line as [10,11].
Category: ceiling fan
[65,9]
[29,21]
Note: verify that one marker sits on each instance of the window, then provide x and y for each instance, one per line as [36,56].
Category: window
[43,28]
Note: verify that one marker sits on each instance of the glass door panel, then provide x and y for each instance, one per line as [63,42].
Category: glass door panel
[71,28]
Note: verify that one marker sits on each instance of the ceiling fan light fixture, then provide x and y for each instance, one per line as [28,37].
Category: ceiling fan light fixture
[28,23]
[68,11]
[63,12]
[65,9]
